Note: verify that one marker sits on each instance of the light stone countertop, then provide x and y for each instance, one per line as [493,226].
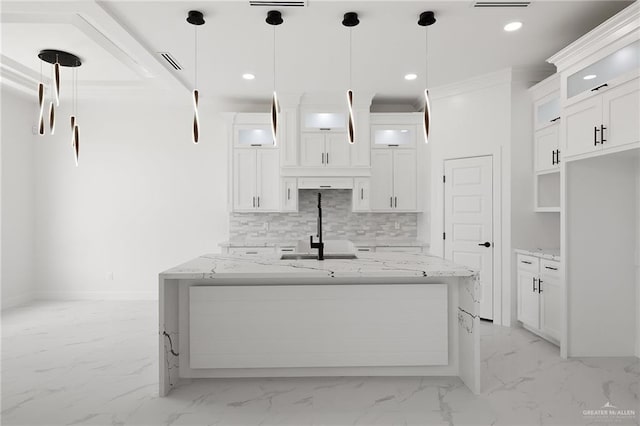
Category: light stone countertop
[367,265]
[549,254]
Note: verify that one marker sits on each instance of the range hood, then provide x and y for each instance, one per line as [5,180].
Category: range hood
[325,183]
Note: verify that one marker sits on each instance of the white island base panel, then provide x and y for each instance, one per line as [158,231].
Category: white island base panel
[409,324]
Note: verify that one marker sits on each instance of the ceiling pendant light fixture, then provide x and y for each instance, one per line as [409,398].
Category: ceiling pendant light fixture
[75,129]
[350,20]
[57,58]
[274,18]
[426,19]
[195,18]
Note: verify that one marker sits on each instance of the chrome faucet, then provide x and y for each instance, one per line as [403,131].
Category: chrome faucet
[319,245]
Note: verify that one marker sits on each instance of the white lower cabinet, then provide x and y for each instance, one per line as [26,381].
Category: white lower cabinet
[540,296]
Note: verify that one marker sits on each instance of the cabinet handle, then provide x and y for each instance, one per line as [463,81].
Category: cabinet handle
[258,202]
[525,261]
[364,249]
[286,249]
[323,158]
[256,144]
[396,202]
[534,285]
[362,193]
[391,202]
[393,145]
[557,156]
[595,89]
[288,193]
[602,129]
[251,252]
[552,268]
[554,120]
[325,186]
[325,128]
[539,285]
[553,158]
[254,201]
[327,158]
[595,136]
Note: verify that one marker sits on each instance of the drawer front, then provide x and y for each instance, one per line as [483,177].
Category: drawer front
[550,268]
[528,263]
[248,251]
[398,249]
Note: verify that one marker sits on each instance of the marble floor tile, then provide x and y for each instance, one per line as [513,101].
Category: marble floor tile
[95,363]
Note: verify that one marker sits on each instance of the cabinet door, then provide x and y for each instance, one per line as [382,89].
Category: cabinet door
[528,299]
[312,150]
[404,180]
[337,151]
[550,305]
[621,112]
[361,195]
[244,179]
[289,195]
[546,144]
[581,124]
[268,180]
[381,180]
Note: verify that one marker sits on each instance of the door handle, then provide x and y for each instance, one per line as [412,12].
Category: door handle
[553,158]
[595,136]
[595,89]
[539,285]
[534,285]
[486,244]
[557,156]
[391,202]
[254,201]
[327,158]
[602,129]
[396,202]
[362,193]
[323,158]
[258,202]
[288,193]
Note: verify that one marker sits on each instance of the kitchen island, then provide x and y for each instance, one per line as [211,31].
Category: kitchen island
[382,314]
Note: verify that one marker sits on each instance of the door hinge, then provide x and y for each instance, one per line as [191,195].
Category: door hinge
[444,235]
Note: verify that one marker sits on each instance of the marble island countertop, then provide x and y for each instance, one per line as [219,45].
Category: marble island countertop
[367,265]
[549,253]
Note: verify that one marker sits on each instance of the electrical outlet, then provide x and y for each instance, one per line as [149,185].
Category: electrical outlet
[397,225]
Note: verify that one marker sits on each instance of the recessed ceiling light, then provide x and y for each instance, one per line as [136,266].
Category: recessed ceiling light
[410,76]
[589,77]
[513,26]
[248,76]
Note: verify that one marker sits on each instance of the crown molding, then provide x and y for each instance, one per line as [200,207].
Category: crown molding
[619,25]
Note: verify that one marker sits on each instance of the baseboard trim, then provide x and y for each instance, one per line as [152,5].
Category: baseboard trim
[21,299]
[96,295]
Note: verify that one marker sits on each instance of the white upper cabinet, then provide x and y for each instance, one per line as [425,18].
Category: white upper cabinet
[324,149]
[546,143]
[617,67]
[547,110]
[603,122]
[256,174]
[323,120]
[394,180]
[247,135]
[393,136]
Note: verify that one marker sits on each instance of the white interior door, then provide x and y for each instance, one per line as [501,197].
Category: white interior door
[468,221]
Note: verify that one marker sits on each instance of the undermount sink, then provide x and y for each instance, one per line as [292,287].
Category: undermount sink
[308,256]
[333,249]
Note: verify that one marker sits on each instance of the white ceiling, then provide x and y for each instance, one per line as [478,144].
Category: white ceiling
[312,44]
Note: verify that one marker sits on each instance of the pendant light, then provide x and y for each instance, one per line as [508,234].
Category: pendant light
[58,59]
[195,18]
[350,20]
[426,19]
[274,18]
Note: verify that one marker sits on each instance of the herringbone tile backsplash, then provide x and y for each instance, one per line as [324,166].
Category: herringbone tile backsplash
[339,222]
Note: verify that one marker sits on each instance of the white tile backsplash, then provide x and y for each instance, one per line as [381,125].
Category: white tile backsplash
[339,222]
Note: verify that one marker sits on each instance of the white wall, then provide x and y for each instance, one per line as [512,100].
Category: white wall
[143,199]
[17,197]
[491,115]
